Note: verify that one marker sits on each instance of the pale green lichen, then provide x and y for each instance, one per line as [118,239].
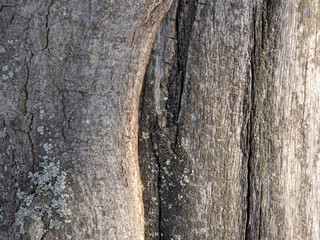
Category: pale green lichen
[48,199]
[2,50]
[49,180]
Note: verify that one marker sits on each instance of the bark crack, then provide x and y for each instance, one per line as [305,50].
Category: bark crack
[249,127]
[28,132]
[165,139]
[47,26]
[185,17]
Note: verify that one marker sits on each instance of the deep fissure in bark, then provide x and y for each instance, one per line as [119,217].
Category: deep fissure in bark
[47,26]
[26,110]
[185,17]
[163,131]
[265,42]
[250,116]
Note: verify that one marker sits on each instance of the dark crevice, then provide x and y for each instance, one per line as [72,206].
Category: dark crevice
[25,88]
[31,142]
[165,140]
[43,236]
[6,6]
[260,220]
[28,132]
[249,128]
[185,17]
[47,26]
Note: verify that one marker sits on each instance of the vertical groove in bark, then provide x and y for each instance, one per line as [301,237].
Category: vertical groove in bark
[250,115]
[162,129]
[185,16]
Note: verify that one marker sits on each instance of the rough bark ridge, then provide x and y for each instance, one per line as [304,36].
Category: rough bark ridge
[228,141]
[71,76]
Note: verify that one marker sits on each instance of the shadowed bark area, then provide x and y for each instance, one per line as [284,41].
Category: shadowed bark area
[228,139]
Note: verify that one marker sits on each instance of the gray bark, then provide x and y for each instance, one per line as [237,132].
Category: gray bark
[229,129]
[71,79]
[228,124]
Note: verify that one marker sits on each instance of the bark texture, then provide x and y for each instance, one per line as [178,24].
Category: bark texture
[71,76]
[229,144]
[229,126]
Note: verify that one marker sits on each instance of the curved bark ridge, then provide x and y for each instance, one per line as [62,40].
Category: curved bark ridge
[71,78]
[221,86]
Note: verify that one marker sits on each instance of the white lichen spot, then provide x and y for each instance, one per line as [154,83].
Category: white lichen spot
[48,148]
[9,148]
[68,237]
[3,132]
[10,74]
[177,237]
[4,77]
[2,50]
[51,115]
[10,41]
[64,13]
[20,194]
[5,68]
[17,69]
[186,179]
[40,129]
[60,58]
[42,114]
[145,135]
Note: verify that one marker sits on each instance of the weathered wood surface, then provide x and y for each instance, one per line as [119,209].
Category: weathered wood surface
[229,142]
[229,122]
[71,76]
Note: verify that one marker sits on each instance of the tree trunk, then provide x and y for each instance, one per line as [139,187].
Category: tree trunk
[229,136]
[229,127]
[71,79]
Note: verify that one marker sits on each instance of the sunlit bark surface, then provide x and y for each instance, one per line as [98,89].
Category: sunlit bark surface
[229,125]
